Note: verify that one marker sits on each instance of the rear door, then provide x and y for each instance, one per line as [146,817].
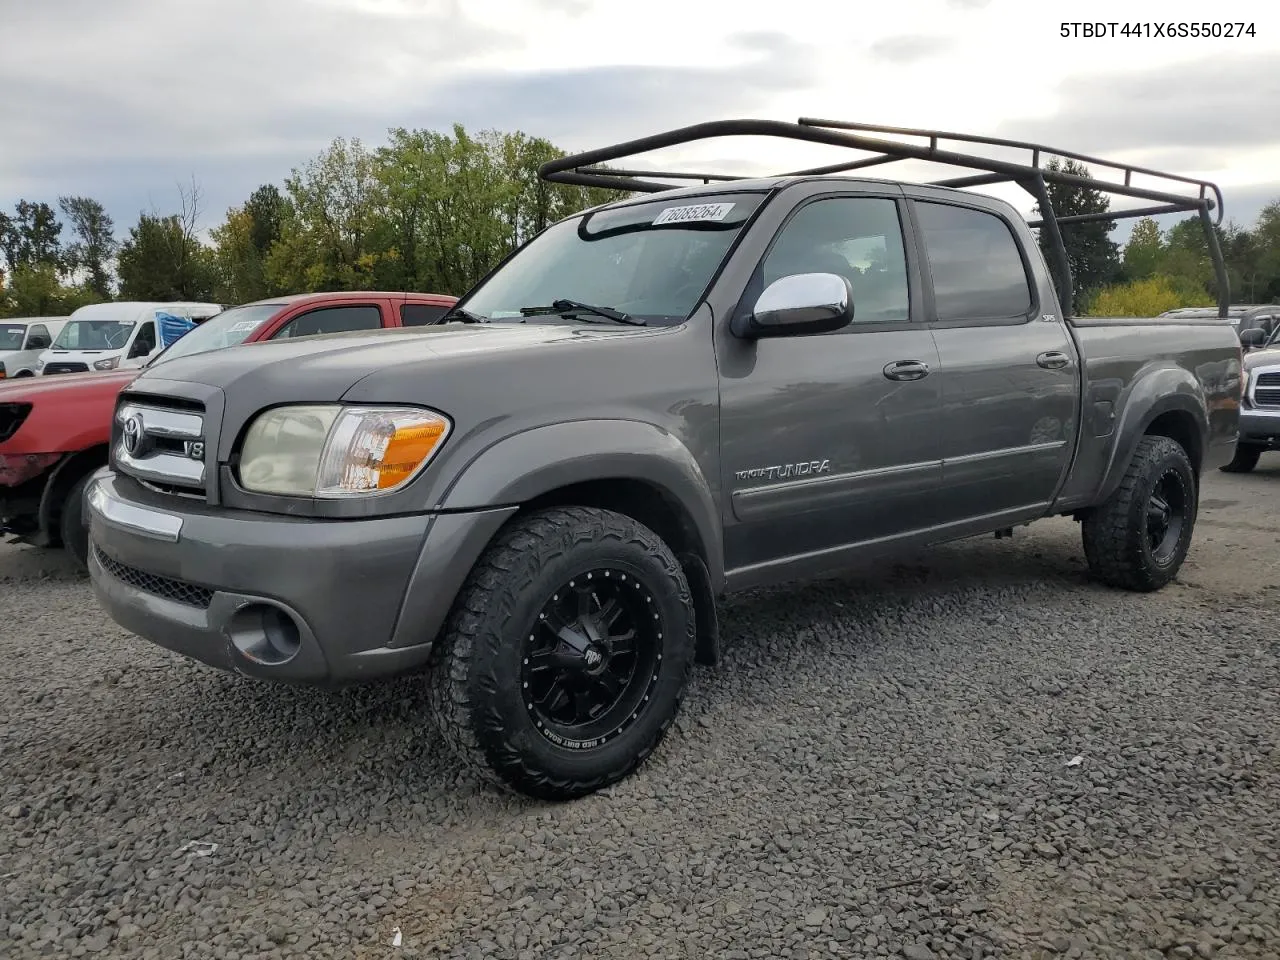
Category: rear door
[1009,377]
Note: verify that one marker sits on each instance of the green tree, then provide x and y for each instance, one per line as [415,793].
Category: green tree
[266,209]
[1093,256]
[94,245]
[329,227]
[160,260]
[1147,297]
[32,236]
[1144,252]
[35,291]
[455,205]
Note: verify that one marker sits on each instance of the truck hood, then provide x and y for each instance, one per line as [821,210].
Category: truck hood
[1262,358]
[64,385]
[324,368]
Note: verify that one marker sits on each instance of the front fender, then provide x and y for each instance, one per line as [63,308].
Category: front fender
[1156,392]
[538,461]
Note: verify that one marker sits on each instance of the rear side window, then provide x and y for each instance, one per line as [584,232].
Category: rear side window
[975,264]
[420,314]
[331,320]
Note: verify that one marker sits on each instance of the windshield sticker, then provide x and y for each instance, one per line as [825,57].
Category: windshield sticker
[243,325]
[697,213]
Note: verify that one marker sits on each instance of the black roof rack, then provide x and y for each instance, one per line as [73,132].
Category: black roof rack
[1169,196]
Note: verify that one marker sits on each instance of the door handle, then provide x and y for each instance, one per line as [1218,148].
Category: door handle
[906,370]
[1053,360]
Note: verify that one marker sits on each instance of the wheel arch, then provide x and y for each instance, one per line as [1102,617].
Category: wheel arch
[633,468]
[1167,403]
[61,479]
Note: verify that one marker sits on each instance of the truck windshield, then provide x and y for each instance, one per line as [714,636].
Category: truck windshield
[650,260]
[94,335]
[226,329]
[11,336]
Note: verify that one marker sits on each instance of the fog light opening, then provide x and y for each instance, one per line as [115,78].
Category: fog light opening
[265,634]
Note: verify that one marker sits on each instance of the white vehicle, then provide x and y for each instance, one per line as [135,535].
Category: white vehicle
[104,336]
[22,339]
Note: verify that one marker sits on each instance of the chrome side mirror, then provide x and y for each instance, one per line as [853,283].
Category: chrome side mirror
[800,304]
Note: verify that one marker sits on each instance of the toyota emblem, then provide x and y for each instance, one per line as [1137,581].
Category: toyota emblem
[132,435]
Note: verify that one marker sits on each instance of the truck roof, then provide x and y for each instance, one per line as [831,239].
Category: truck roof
[355,295]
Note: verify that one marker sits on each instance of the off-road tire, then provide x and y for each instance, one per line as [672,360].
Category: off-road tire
[1116,542]
[476,679]
[71,529]
[1245,459]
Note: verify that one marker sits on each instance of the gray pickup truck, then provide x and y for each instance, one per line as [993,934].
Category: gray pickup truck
[1260,410]
[688,392]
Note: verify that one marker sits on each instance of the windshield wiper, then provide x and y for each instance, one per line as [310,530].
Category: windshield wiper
[575,308]
[464,316]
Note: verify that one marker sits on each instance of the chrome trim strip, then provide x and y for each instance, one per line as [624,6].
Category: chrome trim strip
[164,423]
[163,468]
[126,516]
[1005,452]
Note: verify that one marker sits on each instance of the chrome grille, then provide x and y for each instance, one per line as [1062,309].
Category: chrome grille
[1266,390]
[161,446]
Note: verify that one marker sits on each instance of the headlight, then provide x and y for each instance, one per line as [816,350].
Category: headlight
[332,451]
[108,364]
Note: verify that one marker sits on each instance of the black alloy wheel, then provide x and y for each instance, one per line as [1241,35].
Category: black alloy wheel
[1166,513]
[593,658]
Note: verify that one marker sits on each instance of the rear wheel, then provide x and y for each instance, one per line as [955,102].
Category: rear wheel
[1246,458]
[1139,538]
[567,654]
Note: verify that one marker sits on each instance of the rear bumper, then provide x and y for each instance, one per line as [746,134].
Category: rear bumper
[280,598]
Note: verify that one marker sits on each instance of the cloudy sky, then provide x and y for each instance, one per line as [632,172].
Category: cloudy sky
[122,99]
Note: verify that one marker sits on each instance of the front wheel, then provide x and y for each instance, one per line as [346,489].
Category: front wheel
[71,526]
[1245,459]
[567,654]
[1138,539]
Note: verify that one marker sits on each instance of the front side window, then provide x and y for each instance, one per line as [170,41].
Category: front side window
[146,340]
[38,337]
[420,314]
[651,260]
[858,238]
[977,271]
[331,320]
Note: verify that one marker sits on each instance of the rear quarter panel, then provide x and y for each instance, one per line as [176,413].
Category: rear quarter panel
[1136,370]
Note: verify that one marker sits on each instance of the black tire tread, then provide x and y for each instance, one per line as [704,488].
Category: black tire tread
[1245,459]
[71,533]
[1108,540]
[485,602]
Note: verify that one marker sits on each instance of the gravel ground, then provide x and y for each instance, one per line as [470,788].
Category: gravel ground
[880,768]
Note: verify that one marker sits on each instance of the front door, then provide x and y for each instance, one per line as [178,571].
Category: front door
[830,441]
[1010,376]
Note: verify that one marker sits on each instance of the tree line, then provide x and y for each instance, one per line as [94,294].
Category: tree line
[434,212]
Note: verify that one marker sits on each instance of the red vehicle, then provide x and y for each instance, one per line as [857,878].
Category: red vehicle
[54,431]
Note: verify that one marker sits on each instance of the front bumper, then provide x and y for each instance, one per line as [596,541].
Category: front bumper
[1260,426]
[276,597]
